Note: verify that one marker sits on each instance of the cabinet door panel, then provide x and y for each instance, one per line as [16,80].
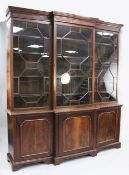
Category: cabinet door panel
[75,133]
[35,136]
[107,127]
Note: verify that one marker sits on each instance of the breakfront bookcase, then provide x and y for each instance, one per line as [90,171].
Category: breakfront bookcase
[61,86]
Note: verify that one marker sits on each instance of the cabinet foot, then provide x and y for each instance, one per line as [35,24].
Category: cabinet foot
[93,154]
[58,161]
[118,145]
[16,167]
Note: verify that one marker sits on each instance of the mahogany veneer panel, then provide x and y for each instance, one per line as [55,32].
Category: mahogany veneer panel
[34,133]
[76,133]
[106,127]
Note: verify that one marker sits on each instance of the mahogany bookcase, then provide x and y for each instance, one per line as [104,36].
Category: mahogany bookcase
[61,86]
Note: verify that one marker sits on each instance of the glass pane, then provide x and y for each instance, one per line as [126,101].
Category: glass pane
[106,66]
[31,64]
[74,66]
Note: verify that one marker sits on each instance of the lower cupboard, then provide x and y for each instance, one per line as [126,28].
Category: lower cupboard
[52,137]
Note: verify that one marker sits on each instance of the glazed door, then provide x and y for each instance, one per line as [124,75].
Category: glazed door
[34,136]
[74,58]
[108,125]
[75,132]
[31,55]
[106,63]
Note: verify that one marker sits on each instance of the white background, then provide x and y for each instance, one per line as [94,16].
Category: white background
[107,162]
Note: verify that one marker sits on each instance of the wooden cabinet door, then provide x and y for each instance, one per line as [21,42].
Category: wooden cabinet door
[34,136]
[108,124]
[75,132]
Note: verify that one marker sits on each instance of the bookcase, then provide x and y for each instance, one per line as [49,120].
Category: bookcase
[62,79]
